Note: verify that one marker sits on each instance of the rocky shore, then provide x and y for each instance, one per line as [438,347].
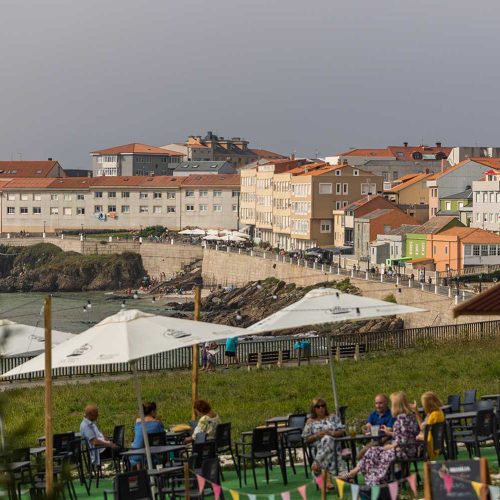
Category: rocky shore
[46,268]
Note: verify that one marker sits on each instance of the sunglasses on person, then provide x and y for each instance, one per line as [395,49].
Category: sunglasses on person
[320,405]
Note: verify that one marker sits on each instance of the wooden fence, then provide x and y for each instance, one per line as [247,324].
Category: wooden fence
[345,344]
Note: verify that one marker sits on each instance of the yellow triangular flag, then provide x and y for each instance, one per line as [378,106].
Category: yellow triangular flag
[235,494]
[340,486]
[477,488]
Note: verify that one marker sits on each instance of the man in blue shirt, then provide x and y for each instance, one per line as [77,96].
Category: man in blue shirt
[381,415]
[231,348]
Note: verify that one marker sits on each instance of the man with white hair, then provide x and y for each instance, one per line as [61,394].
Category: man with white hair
[100,446]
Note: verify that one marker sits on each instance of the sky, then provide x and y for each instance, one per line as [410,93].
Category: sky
[313,77]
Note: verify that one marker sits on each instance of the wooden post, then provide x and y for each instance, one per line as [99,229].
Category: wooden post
[337,353]
[324,477]
[259,359]
[186,481]
[356,352]
[196,352]
[280,358]
[49,452]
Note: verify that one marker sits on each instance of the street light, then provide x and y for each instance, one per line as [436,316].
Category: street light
[82,229]
[44,229]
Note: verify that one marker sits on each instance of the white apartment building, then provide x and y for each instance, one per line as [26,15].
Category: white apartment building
[114,203]
[486,201]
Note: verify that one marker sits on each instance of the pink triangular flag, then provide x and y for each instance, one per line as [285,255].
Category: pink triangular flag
[412,481]
[285,495]
[393,490]
[319,481]
[201,482]
[217,490]
[448,483]
[302,490]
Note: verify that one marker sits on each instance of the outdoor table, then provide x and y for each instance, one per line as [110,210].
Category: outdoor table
[159,475]
[37,450]
[490,396]
[353,440]
[282,419]
[461,415]
[444,408]
[41,439]
[155,450]
[11,468]
[455,417]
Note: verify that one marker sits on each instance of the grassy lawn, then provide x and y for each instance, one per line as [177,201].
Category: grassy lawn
[248,398]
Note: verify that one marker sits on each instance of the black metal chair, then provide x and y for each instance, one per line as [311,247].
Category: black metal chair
[176,479]
[210,470]
[24,475]
[223,444]
[292,441]
[484,430]
[203,451]
[454,402]
[131,486]
[264,446]
[157,439]
[469,400]
[484,404]
[342,413]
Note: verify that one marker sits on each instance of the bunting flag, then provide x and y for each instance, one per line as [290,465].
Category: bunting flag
[319,481]
[340,487]
[285,495]
[252,496]
[234,494]
[217,491]
[270,497]
[393,490]
[375,492]
[477,488]
[354,491]
[201,482]
[302,490]
[448,483]
[495,492]
[412,481]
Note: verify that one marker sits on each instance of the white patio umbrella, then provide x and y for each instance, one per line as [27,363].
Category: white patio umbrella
[326,305]
[236,239]
[25,340]
[213,237]
[240,235]
[126,337]
[193,232]
[213,232]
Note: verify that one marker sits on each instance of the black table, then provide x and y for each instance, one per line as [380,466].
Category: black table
[282,419]
[444,408]
[490,396]
[353,440]
[461,415]
[159,475]
[155,450]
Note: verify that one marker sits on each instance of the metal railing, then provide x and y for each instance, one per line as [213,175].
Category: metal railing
[360,342]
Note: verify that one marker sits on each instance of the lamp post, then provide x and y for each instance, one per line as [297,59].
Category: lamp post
[43,234]
[140,234]
[480,283]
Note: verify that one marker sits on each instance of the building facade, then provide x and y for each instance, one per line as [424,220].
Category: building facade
[486,196]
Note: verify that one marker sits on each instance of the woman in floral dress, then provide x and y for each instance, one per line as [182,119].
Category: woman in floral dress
[376,464]
[320,431]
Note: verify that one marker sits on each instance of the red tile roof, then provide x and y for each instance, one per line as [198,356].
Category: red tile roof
[377,152]
[485,303]
[409,182]
[72,183]
[15,169]
[489,162]
[222,180]
[136,148]
[265,154]
[472,235]
[28,183]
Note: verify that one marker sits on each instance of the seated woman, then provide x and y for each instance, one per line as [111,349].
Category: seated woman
[320,431]
[376,464]
[152,425]
[208,422]
[433,415]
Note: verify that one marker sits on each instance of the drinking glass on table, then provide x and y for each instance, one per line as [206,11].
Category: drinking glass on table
[375,430]
[352,430]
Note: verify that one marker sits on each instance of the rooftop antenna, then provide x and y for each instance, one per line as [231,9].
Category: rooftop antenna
[20,156]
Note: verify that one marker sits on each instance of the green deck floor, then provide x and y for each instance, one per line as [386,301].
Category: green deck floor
[275,485]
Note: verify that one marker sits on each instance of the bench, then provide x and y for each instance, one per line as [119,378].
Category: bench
[268,357]
[348,350]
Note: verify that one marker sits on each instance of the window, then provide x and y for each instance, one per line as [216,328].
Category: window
[203,208]
[326,226]
[478,197]
[125,194]
[11,210]
[493,249]
[67,197]
[475,250]
[189,194]
[111,208]
[157,209]
[54,210]
[338,172]
[80,211]
[23,197]
[460,205]
[325,188]
[365,188]
[217,194]
[23,210]
[189,208]
[54,197]
[143,196]
[217,208]
[97,209]
[125,209]
[446,249]
[37,197]
[170,209]
[395,175]
[355,173]
[484,250]
[235,194]
[467,250]
[37,210]
[112,194]
[448,205]
[338,188]
[338,205]
[346,188]
[98,194]
[66,211]
[156,196]
[143,209]
[170,196]
[80,197]
[434,249]
[234,208]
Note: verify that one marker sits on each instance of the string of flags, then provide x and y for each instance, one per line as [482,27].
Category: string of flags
[393,488]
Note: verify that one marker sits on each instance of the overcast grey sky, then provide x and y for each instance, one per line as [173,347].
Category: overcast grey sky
[311,76]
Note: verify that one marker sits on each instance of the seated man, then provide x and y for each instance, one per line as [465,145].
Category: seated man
[98,444]
[380,416]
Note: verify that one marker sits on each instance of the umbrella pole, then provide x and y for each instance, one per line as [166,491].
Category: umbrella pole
[141,414]
[196,352]
[49,452]
[331,362]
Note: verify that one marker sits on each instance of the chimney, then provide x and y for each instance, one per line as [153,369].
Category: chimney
[426,170]
[438,144]
[49,159]
[292,156]
[405,144]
